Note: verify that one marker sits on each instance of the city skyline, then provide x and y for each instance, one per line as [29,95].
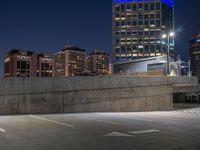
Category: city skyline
[48,25]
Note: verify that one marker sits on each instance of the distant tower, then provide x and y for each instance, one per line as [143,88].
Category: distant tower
[194,55]
[138,26]
[69,62]
[98,63]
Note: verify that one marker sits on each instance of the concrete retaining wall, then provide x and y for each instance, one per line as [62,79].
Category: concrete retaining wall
[87,94]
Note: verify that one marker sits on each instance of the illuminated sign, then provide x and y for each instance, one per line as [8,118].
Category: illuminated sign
[169,2]
[198,40]
[23,58]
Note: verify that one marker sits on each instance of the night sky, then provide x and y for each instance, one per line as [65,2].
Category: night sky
[47,25]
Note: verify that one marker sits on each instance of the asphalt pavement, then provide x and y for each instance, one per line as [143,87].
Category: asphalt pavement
[175,130]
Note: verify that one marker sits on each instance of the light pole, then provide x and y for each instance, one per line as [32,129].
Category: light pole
[189,65]
[164,36]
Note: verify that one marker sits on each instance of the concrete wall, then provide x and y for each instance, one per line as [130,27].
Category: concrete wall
[87,94]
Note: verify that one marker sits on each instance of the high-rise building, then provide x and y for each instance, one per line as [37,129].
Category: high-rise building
[138,26]
[98,63]
[18,63]
[44,65]
[194,55]
[69,62]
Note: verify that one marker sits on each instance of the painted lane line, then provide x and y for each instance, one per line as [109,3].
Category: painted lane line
[144,131]
[118,134]
[52,121]
[2,130]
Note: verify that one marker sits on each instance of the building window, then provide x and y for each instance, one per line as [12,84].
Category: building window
[123,8]
[123,49]
[152,22]
[117,33]
[129,48]
[146,47]
[128,6]
[117,8]
[116,24]
[134,32]
[28,66]
[134,7]
[157,23]
[128,33]
[146,22]
[123,33]
[157,6]
[146,6]
[140,16]
[152,16]
[140,7]
[152,7]
[140,33]
[146,16]
[128,23]
[152,33]
[158,16]
[117,50]
[152,47]
[117,15]
[134,23]
[123,23]
[158,47]
[18,64]
[140,23]
[146,33]
[23,64]
[135,16]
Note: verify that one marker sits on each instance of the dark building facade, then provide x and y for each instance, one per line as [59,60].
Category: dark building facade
[18,63]
[98,63]
[44,65]
[69,62]
[194,55]
[138,26]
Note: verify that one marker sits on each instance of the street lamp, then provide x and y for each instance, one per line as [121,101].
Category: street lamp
[164,36]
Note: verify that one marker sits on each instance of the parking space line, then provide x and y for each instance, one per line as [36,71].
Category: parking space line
[2,130]
[52,121]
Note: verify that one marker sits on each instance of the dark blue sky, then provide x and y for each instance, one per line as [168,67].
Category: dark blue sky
[48,25]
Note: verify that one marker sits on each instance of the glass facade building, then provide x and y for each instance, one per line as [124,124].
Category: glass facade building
[137,28]
[194,55]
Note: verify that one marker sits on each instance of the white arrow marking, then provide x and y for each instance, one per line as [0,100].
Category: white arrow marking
[143,131]
[2,130]
[118,134]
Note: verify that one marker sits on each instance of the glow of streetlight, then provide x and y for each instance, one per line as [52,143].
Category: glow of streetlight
[164,36]
[171,34]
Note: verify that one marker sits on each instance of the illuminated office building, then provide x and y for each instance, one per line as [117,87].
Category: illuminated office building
[194,55]
[98,63]
[69,62]
[138,26]
[18,63]
[44,65]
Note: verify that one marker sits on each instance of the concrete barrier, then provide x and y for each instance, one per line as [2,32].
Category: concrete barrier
[87,94]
